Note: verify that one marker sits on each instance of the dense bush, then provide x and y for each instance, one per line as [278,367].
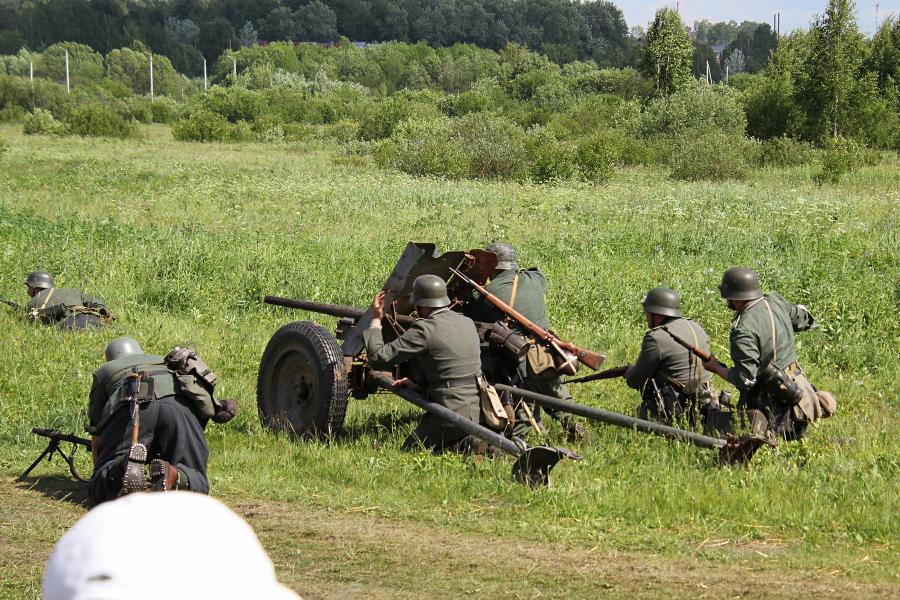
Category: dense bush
[696,107]
[597,157]
[18,91]
[96,120]
[713,155]
[234,103]
[42,122]
[495,146]
[202,126]
[842,156]
[785,152]
[137,108]
[381,118]
[424,147]
[3,146]
[548,158]
[164,110]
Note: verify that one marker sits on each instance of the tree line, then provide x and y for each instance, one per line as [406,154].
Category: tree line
[186,31]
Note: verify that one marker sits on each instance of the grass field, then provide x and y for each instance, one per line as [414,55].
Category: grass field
[184,240]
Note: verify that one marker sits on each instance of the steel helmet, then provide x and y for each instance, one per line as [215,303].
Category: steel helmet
[430,291]
[663,301]
[121,347]
[39,280]
[506,255]
[740,283]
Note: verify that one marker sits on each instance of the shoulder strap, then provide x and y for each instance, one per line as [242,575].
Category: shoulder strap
[515,288]
[691,354]
[774,339]
[47,299]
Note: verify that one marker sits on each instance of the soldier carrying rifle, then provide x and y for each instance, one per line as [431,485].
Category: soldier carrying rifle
[780,401]
[524,290]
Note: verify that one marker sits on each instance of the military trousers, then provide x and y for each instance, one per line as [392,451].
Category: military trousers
[169,430]
[548,387]
[80,321]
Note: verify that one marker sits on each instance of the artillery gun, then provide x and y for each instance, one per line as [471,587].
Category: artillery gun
[306,377]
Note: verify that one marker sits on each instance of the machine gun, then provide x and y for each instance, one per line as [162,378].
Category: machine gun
[607,374]
[10,303]
[57,437]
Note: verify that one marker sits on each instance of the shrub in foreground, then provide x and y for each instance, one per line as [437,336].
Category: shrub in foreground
[842,156]
[202,126]
[96,120]
[42,122]
[3,146]
[713,155]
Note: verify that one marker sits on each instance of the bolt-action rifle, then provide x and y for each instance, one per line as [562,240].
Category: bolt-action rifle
[10,303]
[53,447]
[698,352]
[607,374]
[562,348]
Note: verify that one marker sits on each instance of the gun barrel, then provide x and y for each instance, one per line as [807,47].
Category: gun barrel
[59,436]
[598,414]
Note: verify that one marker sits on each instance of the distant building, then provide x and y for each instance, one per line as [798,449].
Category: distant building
[719,49]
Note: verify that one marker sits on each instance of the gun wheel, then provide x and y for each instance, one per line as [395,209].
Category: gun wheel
[302,383]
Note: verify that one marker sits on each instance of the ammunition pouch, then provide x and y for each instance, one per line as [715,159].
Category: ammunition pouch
[139,386]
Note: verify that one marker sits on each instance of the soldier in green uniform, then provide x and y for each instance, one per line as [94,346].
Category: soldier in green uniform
[68,308]
[446,346]
[524,290]
[778,397]
[175,404]
[672,381]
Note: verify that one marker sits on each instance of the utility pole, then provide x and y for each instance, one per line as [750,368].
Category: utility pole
[151,76]
[68,89]
[31,72]
[204,76]
[234,67]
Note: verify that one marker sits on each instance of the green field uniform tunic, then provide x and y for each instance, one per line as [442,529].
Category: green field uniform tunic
[169,427]
[531,290]
[446,346]
[57,305]
[753,330]
[667,364]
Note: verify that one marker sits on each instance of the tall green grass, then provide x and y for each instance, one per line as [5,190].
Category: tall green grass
[183,240]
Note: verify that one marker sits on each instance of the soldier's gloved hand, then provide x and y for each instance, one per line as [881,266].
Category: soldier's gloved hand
[229,409]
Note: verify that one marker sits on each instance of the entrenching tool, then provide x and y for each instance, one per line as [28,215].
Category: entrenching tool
[533,463]
[732,450]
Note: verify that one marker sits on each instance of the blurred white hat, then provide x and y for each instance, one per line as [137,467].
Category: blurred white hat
[161,547]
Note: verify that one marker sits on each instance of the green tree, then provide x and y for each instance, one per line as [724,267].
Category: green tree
[884,57]
[825,86]
[669,54]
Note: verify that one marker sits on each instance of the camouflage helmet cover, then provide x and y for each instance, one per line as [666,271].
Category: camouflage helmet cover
[740,283]
[663,301]
[506,255]
[39,280]
[430,291]
[121,347]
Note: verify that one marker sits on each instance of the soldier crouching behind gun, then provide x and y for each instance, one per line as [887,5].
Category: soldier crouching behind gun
[447,346]
[67,308]
[780,401]
[673,382]
[147,414]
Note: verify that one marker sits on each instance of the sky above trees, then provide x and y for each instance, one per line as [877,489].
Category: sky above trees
[794,13]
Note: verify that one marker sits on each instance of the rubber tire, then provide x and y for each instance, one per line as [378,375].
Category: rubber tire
[302,384]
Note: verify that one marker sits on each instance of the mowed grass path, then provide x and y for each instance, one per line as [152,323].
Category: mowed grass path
[183,241]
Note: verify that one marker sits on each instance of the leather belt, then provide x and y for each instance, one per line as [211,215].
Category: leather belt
[457,382]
